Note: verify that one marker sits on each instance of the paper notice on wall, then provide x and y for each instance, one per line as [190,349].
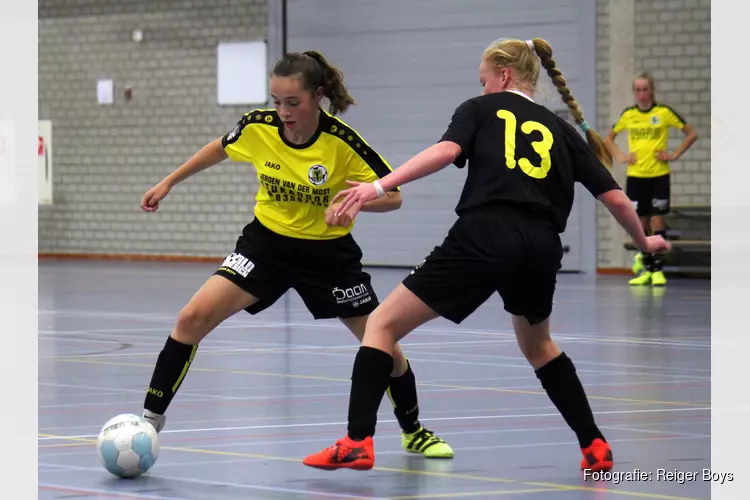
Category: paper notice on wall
[7,163]
[105,91]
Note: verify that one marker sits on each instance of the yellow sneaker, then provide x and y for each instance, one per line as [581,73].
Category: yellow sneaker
[658,279]
[426,443]
[642,280]
[638,266]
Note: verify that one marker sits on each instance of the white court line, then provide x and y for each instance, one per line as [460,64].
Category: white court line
[219,398]
[392,438]
[273,418]
[383,452]
[100,390]
[62,488]
[193,397]
[654,431]
[277,346]
[438,419]
[295,347]
[524,366]
[243,486]
[332,495]
[457,330]
[577,362]
[322,351]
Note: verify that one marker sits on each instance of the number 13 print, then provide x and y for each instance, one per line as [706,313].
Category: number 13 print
[542,147]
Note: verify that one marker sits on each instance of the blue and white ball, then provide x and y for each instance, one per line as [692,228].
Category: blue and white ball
[128,446]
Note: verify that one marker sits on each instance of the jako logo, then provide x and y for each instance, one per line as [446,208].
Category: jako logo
[418,266]
[157,393]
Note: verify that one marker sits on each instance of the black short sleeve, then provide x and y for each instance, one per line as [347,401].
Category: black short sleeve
[463,129]
[588,170]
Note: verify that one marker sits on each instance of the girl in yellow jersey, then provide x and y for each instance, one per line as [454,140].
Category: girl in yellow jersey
[303,156]
[648,184]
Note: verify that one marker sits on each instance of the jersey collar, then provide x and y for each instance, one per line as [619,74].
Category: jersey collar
[648,110]
[311,140]
[521,94]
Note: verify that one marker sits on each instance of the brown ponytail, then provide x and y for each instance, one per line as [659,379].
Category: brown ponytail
[333,84]
[316,73]
[544,51]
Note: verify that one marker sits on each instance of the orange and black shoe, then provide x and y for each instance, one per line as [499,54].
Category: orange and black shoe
[597,457]
[345,454]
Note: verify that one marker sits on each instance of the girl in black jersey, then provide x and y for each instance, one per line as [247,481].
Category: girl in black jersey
[523,162]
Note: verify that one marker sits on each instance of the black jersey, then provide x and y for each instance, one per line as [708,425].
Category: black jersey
[522,154]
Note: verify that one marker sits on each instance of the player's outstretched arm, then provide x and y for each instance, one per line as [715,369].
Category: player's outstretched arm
[208,156]
[427,162]
[622,210]
[388,203]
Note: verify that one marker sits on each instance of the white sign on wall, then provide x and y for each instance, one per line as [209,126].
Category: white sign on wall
[242,73]
[44,155]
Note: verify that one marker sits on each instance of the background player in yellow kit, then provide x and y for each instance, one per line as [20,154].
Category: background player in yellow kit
[648,177]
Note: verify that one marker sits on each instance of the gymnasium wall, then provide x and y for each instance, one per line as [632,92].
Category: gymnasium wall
[106,157]
[672,39]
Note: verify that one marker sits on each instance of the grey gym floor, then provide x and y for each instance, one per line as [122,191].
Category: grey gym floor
[265,391]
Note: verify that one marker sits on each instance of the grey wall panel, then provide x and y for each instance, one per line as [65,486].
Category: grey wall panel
[409,64]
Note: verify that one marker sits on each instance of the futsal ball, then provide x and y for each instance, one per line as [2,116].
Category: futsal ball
[128,446]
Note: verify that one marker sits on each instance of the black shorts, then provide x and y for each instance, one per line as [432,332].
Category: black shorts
[327,274]
[650,195]
[507,252]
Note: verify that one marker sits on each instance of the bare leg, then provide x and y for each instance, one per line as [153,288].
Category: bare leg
[535,341]
[214,302]
[396,317]
[357,326]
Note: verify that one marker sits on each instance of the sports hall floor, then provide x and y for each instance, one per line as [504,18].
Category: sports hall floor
[265,391]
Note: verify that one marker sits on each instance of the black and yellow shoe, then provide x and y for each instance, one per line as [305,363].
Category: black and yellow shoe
[426,443]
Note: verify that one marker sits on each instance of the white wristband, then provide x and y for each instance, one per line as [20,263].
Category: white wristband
[379,189]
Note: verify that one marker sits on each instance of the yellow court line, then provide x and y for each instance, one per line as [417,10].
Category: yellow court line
[64,445]
[346,380]
[477,494]
[444,475]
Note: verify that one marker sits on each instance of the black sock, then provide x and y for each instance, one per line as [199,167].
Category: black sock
[403,395]
[170,370]
[658,263]
[370,377]
[563,387]
[648,261]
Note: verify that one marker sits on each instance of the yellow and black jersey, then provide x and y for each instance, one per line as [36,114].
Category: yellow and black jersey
[298,181]
[648,132]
